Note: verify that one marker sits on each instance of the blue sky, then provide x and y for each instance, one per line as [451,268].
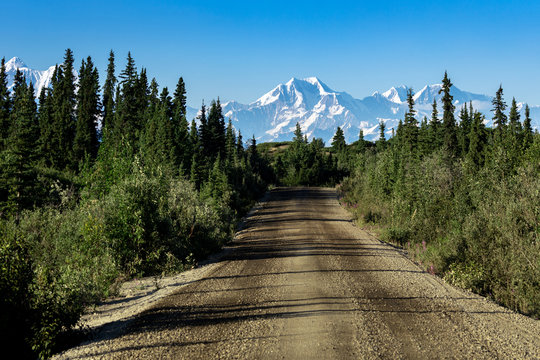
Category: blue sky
[240,50]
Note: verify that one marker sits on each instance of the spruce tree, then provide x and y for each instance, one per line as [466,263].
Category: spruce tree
[194,136]
[108,94]
[464,128]
[45,120]
[361,146]
[527,135]
[88,110]
[127,122]
[239,145]
[20,156]
[64,101]
[499,117]
[5,105]
[215,144]
[165,135]
[424,137]
[514,140]
[477,141]
[450,141]
[179,100]
[338,141]
[204,132]
[142,93]
[253,156]
[435,132]
[298,136]
[410,127]
[182,145]
[230,144]
[381,142]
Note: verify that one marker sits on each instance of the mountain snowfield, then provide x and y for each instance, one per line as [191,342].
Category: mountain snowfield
[320,110]
[316,107]
[38,78]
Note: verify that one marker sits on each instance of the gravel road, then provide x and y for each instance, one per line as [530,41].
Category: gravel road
[301,282]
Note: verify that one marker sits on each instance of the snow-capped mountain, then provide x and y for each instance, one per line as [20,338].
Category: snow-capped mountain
[316,107]
[320,110]
[39,78]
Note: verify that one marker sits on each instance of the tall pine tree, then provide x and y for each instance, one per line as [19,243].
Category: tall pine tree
[450,141]
[88,109]
[108,95]
[527,135]
[499,117]
[20,156]
[5,105]
[63,124]
[182,145]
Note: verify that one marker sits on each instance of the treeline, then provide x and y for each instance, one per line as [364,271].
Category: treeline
[83,206]
[462,198]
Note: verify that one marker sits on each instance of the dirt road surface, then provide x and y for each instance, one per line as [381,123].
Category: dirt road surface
[301,282]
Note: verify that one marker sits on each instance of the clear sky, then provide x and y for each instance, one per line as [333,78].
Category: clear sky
[238,50]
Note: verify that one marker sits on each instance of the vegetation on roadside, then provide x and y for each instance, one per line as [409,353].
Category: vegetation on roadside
[462,198]
[82,206]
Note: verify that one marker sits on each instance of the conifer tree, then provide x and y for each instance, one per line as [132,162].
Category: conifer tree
[230,144]
[477,141]
[64,101]
[165,134]
[298,136]
[361,147]
[45,120]
[435,137]
[239,145]
[215,144]
[253,156]
[499,117]
[127,123]
[338,141]
[182,145]
[142,93]
[204,132]
[179,101]
[527,129]
[464,128]
[19,158]
[514,140]
[88,110]
[194,136]
[5,105]
[149,140]
[108,94]
[410,126]
[450,141]
[381,142]
[423,137]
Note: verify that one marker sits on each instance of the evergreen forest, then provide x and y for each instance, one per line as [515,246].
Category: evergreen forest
[99,184]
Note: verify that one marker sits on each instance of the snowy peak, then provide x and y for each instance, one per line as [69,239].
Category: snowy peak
[428,93]
[296,92]
[14,63]
[396,95]
[39,78]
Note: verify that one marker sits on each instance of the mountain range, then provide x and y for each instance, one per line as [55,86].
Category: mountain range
[317,108]
[320,110]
